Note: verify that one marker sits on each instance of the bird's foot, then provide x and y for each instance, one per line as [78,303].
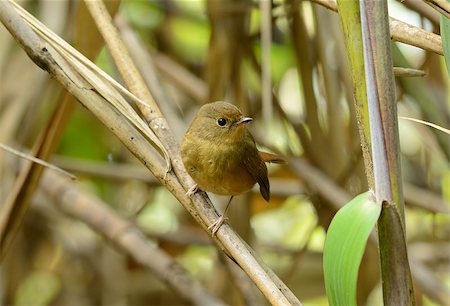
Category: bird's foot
[192,190]
[217,224]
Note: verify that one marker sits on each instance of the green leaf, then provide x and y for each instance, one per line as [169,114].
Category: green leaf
[39,288]
[445,35]
[344,246]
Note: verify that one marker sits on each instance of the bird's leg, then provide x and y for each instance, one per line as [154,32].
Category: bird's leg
[192,190]
[218,223]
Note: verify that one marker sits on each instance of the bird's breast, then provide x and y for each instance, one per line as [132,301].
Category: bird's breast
[217,167]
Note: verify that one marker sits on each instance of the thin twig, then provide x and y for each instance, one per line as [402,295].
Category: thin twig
[37,161]
[408,72]
[437,127]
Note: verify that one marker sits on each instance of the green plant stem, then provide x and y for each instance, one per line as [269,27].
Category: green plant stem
[349,14]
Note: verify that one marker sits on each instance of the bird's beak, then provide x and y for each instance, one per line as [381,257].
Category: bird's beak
[243,120]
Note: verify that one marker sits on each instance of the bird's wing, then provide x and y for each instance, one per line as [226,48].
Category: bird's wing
[257,168]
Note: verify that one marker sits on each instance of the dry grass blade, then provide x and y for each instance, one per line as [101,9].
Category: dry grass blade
[37,161]
[106,86]
[435,126]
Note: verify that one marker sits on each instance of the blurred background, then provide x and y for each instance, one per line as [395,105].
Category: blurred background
[283,63]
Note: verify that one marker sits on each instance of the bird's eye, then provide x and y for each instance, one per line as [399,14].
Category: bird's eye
[222,121]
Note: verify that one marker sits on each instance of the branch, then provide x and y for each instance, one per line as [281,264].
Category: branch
[403,32]
[123,234]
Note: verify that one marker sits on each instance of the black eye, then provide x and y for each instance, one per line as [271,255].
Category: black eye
[222,121]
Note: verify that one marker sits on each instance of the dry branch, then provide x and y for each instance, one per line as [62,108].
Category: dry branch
[123,234]
[403,32]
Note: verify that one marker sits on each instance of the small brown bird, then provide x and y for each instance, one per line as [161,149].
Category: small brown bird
[220,154]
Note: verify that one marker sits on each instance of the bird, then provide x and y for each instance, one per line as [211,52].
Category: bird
[220,154]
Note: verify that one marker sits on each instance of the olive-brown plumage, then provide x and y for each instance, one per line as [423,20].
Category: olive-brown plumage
[220,154]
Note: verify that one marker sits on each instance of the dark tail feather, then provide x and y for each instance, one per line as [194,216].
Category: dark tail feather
[265,192]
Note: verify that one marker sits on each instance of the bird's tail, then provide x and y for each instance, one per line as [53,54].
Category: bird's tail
[272,158]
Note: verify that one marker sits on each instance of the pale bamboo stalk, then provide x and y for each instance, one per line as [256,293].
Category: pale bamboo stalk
[395,271]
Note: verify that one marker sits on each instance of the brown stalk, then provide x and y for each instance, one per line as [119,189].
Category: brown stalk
[146,66]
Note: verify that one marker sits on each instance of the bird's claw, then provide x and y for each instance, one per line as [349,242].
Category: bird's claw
[217,224]
[192,190]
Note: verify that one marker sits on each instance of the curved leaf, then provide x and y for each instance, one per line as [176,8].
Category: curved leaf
[344,246]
